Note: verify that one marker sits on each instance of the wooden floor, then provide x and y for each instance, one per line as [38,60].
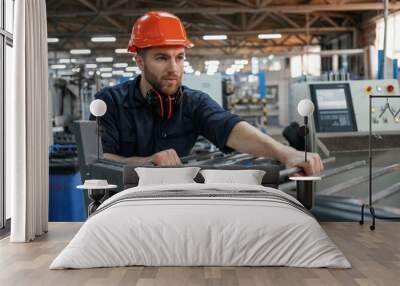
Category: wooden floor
[374,255]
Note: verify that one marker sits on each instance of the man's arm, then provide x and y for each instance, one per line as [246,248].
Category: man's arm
[245,138]
[163,158]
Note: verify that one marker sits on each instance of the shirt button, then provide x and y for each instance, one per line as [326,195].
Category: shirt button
[164,135]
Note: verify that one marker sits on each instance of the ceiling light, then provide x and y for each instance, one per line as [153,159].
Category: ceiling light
[118,72]
[58,67]
[104,59]
[80,51]
[64,61]
[230,71]
[106,75]
[91,73]
[121,51]
[91,66]
[132,69]
[103,39]
[128,74]
[211,63]
[269,36]
[214,37]
[120,65]
[241,62]
[105,69]
[53,40]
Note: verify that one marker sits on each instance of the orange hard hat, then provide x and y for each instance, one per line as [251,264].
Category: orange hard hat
[158,29]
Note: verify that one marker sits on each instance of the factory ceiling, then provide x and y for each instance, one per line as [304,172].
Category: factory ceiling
[300,23]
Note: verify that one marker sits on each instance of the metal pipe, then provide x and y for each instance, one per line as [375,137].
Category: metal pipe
[385,18]
[235,161]
[358,180]
[287,172]
[199,157]
[385,193]
[286,187]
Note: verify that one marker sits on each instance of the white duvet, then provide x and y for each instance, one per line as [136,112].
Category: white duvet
[207,230]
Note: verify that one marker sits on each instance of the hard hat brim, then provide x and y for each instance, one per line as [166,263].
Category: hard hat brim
[178,43]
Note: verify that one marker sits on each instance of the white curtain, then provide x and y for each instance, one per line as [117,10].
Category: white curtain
[27,123]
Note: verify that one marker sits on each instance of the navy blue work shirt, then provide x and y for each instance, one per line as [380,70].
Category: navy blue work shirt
[130,128]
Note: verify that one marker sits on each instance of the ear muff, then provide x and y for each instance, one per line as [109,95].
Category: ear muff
[163,105]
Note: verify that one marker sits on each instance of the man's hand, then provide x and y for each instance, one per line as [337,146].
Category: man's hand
[166,158]
[295,158]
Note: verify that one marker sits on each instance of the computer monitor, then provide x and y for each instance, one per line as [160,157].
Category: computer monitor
[333,107]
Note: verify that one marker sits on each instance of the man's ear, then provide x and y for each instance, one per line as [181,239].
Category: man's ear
[139,62]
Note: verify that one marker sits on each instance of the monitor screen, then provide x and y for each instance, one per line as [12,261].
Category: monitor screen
[331,99]
[333,107]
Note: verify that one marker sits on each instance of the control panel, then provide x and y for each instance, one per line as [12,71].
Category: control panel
[385,111]
[342,106]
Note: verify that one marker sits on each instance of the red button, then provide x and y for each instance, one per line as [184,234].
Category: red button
[390,88]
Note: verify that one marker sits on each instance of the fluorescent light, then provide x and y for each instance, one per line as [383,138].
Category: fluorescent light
[106,75]
[211,63]
[58,67]
[215,37]
[241,62]
[105,69]
[269,36]
[64,61]
[132,69]
[80,51]
[91,66]
[230,71]
[120,65]
[53,40]
[103,39]
[128,74]
[104,59]
[118,72]
[121,51]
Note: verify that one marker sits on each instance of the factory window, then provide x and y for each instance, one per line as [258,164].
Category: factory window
[6,43]
[306,64]
[393,35]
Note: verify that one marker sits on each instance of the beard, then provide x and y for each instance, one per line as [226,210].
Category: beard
[158,85]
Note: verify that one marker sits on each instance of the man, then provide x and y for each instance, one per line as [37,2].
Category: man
[154,119]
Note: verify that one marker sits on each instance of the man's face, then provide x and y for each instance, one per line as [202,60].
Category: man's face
[162,67]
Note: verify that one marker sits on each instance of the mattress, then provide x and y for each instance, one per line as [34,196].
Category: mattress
[201,225]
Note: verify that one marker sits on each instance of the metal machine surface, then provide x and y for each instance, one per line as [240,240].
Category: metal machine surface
[340,128]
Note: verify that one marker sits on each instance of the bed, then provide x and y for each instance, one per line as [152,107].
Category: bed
[198,224]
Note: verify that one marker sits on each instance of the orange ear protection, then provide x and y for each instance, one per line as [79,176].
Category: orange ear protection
[163,105]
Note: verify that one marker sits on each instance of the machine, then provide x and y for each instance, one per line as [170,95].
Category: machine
[340,128]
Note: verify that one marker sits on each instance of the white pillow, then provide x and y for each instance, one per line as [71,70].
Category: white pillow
[248,177]
[163,176]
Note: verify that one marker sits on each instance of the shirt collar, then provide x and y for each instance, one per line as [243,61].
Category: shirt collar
[134,97]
